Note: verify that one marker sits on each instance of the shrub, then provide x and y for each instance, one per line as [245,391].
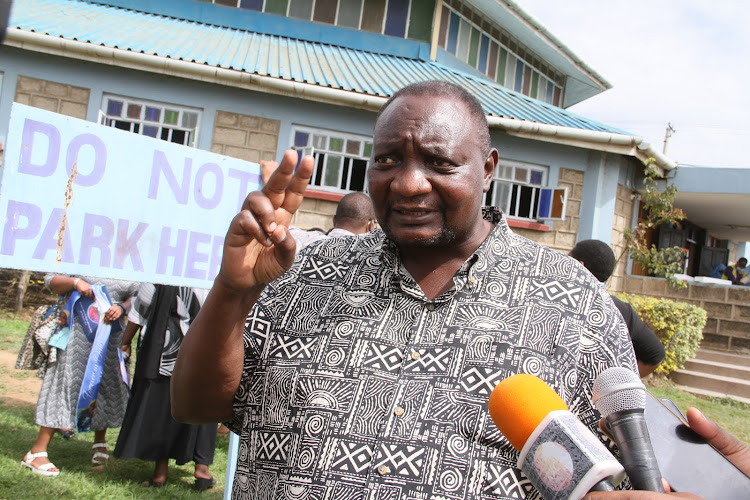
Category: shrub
[678,325]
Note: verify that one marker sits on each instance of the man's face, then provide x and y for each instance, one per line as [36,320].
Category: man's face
[428,172]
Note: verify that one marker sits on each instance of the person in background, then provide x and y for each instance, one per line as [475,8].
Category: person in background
[599,259]
[736,273]
[354,216]
[58,397]
[360,367]
[149,432]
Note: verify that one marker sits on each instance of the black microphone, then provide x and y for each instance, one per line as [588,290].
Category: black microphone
[620,397]
[561,457]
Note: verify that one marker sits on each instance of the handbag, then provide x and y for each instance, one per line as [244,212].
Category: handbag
[35,350]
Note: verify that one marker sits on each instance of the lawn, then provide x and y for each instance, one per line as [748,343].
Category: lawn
[79,479]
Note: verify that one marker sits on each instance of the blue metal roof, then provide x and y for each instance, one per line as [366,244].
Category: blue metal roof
[273,56]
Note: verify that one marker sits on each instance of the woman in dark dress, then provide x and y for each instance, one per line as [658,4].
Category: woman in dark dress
[149,432]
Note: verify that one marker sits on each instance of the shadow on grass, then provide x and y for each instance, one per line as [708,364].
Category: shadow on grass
[79,478]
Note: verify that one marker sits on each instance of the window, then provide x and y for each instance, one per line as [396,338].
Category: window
[520,190]
[340,159]
[160,121]
[403,19]
[478,42]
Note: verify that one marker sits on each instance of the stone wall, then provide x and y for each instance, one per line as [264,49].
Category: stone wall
[728,309]
[52,96]
[623,220]
[249,138]
[563,237]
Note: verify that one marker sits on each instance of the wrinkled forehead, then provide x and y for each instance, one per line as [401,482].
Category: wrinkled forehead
[425,110]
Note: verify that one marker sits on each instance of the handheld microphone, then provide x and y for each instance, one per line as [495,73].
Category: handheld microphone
[560,456]
[620,397]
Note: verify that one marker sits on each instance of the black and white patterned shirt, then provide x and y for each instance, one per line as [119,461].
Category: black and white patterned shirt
[356,386]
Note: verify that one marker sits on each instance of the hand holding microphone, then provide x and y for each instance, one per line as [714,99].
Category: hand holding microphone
[559,455]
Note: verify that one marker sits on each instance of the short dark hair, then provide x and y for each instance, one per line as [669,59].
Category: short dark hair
[439,88]
[596,256]
[354,208]
[741,259]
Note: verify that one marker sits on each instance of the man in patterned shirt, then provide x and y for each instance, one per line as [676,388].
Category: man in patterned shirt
[368,361]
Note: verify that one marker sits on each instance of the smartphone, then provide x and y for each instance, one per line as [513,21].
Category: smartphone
[687,461]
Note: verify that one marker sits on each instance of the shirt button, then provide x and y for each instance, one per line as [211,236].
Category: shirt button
[398,411]
[383,470]
[414,355]
[430,306]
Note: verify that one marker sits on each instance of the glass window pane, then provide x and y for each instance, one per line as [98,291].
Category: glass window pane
[507,173]
[349,12]
[336,144]
[464,37]
[372,15]
[228,3]
[473,47]
[421,15]
[333,171]
[276,7]
[352,147]
[134,110]
[171,116]
[300,139]
[368,150]
[453,34]
[150,130]
[536,177]
[395,19]
[152,114]
[189,120]
[301,9]
[522,174]
[325,11]
[114,108]
[319,141]
[256,5]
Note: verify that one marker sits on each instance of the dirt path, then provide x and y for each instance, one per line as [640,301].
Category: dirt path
[17,387]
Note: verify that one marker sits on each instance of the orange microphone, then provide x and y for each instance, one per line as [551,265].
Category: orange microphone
[560,456]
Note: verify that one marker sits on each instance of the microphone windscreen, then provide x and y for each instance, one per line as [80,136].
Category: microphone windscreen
[519,403]
[618,389]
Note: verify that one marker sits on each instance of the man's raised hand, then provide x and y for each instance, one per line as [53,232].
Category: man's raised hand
[258,247]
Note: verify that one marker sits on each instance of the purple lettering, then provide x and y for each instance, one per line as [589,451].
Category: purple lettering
[100,159]
[30,130]
[200,196]
[245,179]
[194,257]
[167,251]
[127,246]
[14,231]
[98,232]
[161,165]
[48,241]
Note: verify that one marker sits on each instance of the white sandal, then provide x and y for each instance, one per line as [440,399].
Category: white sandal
[47,469]
[99,458]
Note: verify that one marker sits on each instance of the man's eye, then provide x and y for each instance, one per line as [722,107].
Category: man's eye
[385,161]
[440,163]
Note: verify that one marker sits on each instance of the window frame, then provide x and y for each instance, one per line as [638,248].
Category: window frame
[191,133]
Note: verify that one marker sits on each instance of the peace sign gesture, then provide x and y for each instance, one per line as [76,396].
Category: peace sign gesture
[258,247]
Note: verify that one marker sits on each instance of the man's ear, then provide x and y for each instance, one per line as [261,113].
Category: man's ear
[489,168]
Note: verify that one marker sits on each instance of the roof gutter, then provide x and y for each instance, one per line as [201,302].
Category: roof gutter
[38,42]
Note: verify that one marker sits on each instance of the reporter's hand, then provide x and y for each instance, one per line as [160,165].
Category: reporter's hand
[258,247]
[113,313]
[728,445]
[84,288]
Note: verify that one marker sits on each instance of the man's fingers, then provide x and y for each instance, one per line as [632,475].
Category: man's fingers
[282,175]
[295,191]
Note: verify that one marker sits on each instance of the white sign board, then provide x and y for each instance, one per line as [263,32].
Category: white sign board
[81,198]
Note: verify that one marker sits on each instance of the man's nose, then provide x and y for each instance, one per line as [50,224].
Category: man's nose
[411,180]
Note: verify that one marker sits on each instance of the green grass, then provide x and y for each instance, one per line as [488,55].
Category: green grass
[728,413]
[12,331]
[79,479]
